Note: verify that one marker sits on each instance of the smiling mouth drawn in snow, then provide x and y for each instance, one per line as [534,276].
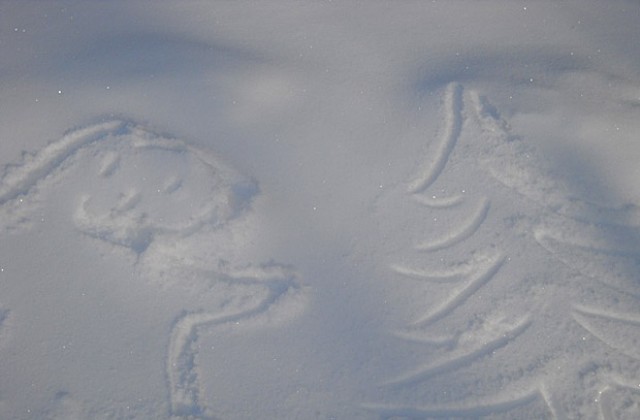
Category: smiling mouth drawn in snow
[144,193]
[525,297]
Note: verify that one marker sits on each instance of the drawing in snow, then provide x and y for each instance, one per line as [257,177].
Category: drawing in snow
[520,296]
[523,296]
[180,215]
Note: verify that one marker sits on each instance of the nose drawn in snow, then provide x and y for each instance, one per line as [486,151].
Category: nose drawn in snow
[162,200]
[524,297]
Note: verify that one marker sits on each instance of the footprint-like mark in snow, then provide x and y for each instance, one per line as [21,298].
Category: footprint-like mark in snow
[161,201]
[529,302]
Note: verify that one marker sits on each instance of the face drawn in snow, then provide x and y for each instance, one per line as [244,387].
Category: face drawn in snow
[130,187]
[162,200]
[145,186]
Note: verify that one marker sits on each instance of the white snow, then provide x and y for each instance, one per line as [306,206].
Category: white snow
[317,210]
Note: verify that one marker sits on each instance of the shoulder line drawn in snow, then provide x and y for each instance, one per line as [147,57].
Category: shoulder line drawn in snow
[182,375]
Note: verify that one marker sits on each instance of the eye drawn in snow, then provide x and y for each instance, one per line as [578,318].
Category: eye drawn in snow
[179,213]
[527,296]
[4,314]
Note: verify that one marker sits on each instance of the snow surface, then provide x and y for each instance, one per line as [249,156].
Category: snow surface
[317,210]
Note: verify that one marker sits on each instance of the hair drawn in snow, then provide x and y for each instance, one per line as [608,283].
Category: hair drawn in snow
[178,211]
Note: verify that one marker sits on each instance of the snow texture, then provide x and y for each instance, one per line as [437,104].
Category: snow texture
[242,210]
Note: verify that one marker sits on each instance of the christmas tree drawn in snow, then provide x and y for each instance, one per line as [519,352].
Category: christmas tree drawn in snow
[525,295]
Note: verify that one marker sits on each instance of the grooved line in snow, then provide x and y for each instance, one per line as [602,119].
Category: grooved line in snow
[432,276]
[466,231]
[451,132]
[608,410]
[473,411]
[109,165]
[132,223]
[466,292]
[439,203]
[556,413]
[610,316]
[553,244]
[182,377]
[581,314]
[20,179]
[463,359]
[438,341]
